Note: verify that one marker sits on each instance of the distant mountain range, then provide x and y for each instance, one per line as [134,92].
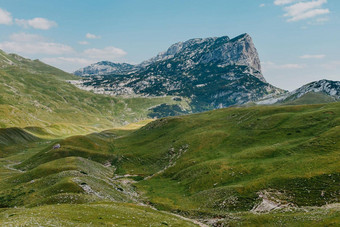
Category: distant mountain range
[35,94]
[104,68]
[192,76]
[321,91]
[212,73]
[65,153]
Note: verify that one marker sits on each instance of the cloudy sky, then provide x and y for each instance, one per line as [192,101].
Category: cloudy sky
[298,40]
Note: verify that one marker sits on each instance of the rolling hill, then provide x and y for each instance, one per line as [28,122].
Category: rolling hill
[35,94]
[322,91]
[66,152]
[263,164]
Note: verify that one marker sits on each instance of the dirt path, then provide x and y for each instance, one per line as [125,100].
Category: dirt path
[10,167]
[187,219]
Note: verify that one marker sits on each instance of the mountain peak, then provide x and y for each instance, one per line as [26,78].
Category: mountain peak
[104,68]
[212,72]
[242,36]
[221,50]
[329,87]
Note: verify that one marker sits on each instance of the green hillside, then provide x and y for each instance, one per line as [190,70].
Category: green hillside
[310,98]
[35,94]
[237,153]
[65,152]
[96,214]
[223,166]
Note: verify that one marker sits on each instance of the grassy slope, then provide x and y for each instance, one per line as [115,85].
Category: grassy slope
[59,182]
[227,156]
[301,217]
[221,159]
[35,94]
[310,98]
[235,153]
[97,214]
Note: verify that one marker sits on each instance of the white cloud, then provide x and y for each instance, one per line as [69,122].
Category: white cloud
[302,9]
[309,14]
[83,42]
[36,48]
[319,21]
[23,43]
[92,36]
[37,23]
[57,54]
[74,60]
[272,65]
[69,64]
[5,17]
[25,37]
[262,5]
[315,56]
[77,60]
[283,2]
[105,53]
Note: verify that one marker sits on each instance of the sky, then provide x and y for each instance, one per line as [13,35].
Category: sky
[298,40]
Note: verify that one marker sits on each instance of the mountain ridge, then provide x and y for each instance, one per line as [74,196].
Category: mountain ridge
[212,72]
[105,67]
[178,48]
[314,92]
[33,93]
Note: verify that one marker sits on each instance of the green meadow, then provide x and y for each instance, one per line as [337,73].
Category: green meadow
[238,166]
[208,166]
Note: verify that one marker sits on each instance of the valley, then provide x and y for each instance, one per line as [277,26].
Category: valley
[290,154]
[192,137]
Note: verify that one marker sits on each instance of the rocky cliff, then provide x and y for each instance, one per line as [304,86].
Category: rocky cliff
[223,50]
[104,68]
[211,72]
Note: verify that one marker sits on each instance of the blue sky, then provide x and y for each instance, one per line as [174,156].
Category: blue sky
[297,40]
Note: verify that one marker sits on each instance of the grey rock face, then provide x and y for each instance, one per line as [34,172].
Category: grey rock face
[104,68]
[223,50]
[328,87]
[212,73]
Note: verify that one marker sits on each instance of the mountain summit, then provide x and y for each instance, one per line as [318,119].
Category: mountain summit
[104,68]
[222,50]
[211,72]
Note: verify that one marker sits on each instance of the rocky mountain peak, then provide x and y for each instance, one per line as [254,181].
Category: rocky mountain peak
[214,50]
[329,87]
[104,68]
[245,50]
[221,50]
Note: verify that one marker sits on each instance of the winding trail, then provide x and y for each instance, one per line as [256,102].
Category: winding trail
[10,167]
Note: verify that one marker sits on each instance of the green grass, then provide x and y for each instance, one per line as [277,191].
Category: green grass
[34,94]
[310,98]
[211,165]
[237,152]
[310,216]
[95,214]
[219,160]
[207,165]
